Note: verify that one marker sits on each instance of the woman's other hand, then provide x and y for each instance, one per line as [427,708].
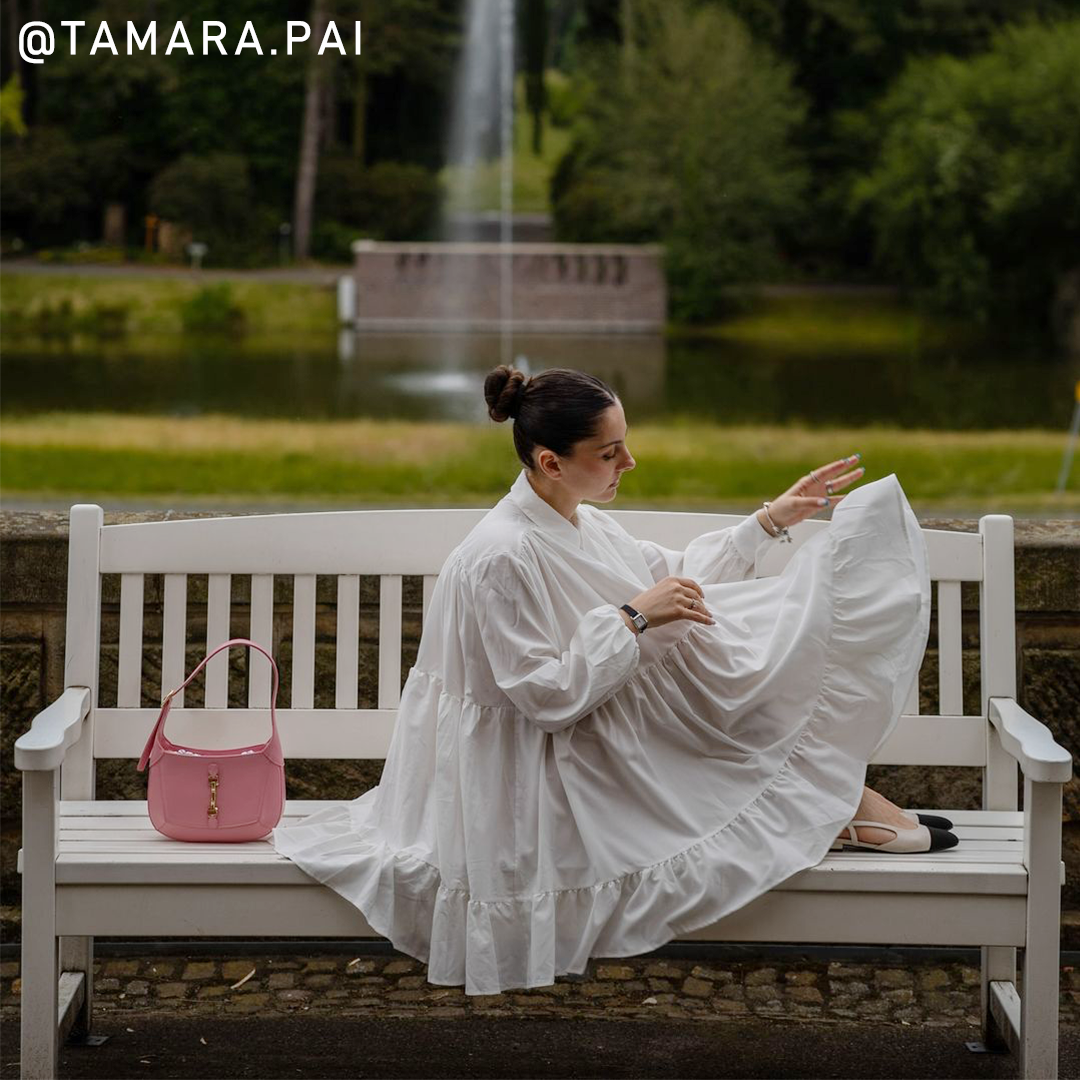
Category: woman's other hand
[804,498]
[672,598]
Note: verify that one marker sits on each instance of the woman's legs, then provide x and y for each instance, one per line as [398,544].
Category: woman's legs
[876,807]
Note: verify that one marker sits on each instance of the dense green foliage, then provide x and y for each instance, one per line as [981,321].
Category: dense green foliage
[846,54]
[930,143]
[131,129]
[386,201]
[212,195]
[937,148]
[212,308]
[685,138]
[975,193]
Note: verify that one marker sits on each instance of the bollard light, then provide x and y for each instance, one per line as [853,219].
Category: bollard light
[196,250]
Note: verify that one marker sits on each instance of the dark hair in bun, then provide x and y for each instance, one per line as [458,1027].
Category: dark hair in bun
[557,408]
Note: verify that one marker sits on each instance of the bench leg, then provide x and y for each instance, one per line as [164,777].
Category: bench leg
[39,1004]
[1042,948]
[998,965]
[77,954]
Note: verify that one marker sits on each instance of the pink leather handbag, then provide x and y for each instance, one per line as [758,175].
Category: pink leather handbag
[215,795]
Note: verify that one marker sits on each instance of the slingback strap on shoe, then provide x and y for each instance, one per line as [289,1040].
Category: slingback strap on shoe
[906,841]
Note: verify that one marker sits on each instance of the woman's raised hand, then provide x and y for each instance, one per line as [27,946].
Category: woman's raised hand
[672,598]
[803,498]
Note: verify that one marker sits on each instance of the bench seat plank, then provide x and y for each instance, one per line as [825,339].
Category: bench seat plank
[114,843]
[781,915]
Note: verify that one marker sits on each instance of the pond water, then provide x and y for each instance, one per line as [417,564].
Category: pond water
[440,377]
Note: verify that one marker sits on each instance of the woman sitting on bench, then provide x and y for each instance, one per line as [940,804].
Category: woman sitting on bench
[606,743]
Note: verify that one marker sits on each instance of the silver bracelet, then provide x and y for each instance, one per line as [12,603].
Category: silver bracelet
[780,534]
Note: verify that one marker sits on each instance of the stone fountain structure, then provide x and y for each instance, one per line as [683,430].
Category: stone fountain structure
[461,284]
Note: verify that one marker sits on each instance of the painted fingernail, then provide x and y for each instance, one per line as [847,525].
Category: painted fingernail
[855,457]
[824,502]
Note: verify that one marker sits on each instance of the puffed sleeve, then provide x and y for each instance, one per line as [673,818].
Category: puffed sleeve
[728,554]
[551,683]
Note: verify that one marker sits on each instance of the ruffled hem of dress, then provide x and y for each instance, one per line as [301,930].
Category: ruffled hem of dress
[492,946]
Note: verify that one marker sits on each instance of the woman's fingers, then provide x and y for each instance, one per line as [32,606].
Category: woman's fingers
[814,504]
[694,592]
[700,612]
[843,481]
[692,584]
[839,463]
[836,466]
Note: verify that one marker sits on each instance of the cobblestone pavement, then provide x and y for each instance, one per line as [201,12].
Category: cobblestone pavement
[933,994]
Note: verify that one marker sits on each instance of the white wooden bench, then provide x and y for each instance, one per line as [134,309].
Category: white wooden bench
[99,867]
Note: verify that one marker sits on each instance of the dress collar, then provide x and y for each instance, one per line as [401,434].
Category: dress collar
[543,514]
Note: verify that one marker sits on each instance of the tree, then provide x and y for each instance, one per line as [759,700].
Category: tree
[975,191]
[685,137]
[413,40]
[310,136]
[11,103]
[534,36]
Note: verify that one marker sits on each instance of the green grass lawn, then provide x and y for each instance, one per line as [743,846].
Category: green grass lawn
[683,465]
[845,322]
[275,308]
[153,301]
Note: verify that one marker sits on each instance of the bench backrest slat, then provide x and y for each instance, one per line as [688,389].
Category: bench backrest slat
[997,644]
[303,642]
[347,641]
[389,641]
[174,637]
[950,671]
[218,605]
[338,542]
[260,677]
[129,672]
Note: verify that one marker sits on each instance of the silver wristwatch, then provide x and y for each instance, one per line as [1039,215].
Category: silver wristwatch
[636,618]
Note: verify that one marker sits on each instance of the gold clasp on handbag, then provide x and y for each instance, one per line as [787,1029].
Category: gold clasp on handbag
[212,809]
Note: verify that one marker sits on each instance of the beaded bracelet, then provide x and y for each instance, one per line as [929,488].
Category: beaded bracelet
[780,534]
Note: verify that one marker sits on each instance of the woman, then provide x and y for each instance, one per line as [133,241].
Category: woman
[563,784]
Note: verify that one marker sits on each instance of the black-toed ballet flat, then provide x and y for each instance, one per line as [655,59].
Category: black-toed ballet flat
[906,841]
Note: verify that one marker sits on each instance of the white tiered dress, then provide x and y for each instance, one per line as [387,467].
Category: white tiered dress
[558,787]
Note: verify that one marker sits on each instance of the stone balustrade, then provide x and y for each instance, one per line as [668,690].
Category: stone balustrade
[608,288]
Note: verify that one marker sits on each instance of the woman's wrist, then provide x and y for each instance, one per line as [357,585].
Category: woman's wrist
[763,521]
[629,622]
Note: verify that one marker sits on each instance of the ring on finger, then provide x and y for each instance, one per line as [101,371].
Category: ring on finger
[693,603]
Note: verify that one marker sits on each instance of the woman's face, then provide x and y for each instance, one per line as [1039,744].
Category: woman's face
[597,464]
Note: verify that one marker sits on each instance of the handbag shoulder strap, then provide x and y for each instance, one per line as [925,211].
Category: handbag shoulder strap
[210,655]
[144,758]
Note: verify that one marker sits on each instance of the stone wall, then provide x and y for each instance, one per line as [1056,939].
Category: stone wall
[607,288]
[33,583]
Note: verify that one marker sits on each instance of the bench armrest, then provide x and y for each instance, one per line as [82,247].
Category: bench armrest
[53,730]
[1030,742]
